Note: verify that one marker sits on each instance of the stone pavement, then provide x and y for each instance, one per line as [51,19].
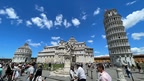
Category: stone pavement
[112,71]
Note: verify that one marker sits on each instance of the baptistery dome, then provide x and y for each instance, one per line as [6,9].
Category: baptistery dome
[22,54]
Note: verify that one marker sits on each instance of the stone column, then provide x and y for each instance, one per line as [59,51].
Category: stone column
[67,64]
[120,75]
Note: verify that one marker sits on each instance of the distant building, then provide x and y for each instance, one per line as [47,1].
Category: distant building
[78,52]
[5,60]
[118,45]
[22,54]
[137,58]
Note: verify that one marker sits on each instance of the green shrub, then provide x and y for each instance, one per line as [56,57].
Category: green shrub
[57,66]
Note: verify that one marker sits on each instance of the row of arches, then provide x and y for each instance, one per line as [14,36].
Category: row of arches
[120,50]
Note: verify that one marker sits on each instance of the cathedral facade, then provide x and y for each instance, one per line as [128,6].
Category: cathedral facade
[77,51]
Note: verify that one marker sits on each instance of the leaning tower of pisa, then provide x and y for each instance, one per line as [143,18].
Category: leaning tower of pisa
[118,46]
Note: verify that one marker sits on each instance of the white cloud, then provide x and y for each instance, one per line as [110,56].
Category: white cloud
[92,36]
[130,3]
[84,16]
[103,36]
[106,55]
[42,22]
[136,50]
[41,9]
[66,24]
[29,41]
[96,12]
[133,18]
[38,21]
[2,12]
[93,24]
[96,52]
[75,22]
[55,38]
[47,23]
[10,12]
[58,20]
[54,43]
[137,36]
[106,46]
[28,23]
[19,21]
[90,41]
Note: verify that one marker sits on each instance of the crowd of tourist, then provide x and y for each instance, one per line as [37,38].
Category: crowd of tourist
[14,70]
[77,73]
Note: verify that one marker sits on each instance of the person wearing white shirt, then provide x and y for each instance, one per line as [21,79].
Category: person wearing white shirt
[80,73]
[103,75]
[30,70]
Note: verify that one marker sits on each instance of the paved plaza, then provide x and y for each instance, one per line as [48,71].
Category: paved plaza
[112,71]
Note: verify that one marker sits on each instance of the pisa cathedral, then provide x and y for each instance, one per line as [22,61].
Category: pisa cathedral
[78,51]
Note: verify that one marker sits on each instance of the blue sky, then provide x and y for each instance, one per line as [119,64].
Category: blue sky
[46,22]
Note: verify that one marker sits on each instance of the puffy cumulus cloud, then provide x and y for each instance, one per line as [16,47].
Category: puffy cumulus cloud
[103,36]
[54,43]
[136,50]
[28,23]
[75,22]
[66,23]
[10,12]
[133,18]
[90,41]
[137,36]
[42,21]
[58,20]
[29,41]
[130,3]
[92,36]
[38,8]
[38,21]
[55,38]
[96,12]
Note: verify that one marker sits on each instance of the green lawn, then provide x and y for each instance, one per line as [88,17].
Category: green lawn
[53,66]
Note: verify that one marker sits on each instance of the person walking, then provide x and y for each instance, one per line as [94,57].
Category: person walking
[1,70]
[30,70]
[73,76]
[9,71]
[103,75]
[80,73]
[138,67]
[128,72]
[38,74]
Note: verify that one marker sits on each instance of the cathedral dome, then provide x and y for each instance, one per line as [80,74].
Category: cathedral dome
[24,50]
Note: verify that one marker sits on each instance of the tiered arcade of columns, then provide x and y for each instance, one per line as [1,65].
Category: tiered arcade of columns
[118,46]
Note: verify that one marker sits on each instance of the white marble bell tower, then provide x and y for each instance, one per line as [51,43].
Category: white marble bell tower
[118,45]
